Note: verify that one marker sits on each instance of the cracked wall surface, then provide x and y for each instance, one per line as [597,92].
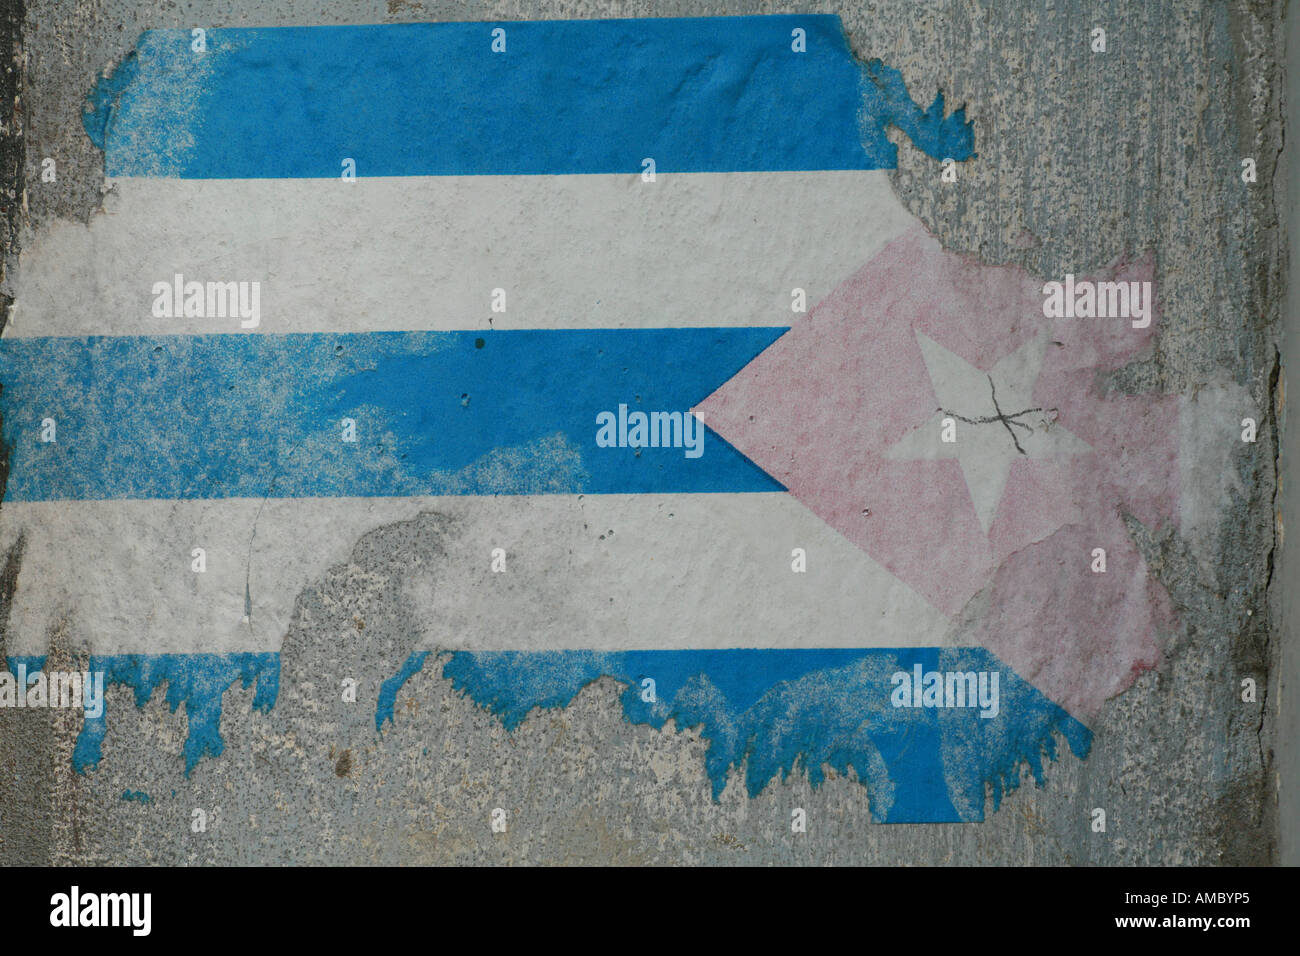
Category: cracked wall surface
[1085,162]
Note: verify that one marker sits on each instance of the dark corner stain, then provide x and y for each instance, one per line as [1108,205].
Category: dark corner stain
[5,303]
[343,766]
[27,800]
[8,584]
[12,159]
[12,187]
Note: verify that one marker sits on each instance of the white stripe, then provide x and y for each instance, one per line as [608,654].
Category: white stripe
[414,253]
[677,571]
[425,253]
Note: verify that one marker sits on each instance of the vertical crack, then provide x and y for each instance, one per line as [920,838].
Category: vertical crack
[1003,418]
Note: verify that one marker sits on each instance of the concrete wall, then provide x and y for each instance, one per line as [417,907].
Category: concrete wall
[1126,160]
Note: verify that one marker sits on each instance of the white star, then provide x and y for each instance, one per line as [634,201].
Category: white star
[997,420]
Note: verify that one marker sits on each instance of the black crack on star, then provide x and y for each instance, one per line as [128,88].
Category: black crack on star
[1007,420]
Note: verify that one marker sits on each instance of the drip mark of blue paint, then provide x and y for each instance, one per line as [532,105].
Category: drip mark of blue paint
[775,711]
[105,99]
[195,680]
[389,688]
[764,713]
[887,103]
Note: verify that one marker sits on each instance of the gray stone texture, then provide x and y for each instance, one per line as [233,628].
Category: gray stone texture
[1083,158]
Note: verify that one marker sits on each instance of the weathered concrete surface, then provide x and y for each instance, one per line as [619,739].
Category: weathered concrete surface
[1083,158]
[1285,609]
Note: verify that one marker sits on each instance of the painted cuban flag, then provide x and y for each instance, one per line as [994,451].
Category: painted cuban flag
[633,303]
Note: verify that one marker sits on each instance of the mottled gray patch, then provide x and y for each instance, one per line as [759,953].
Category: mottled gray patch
[1082,158]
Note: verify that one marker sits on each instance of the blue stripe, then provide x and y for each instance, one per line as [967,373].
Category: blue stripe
[586,96]
[770,712]
[226,416]
[766,712]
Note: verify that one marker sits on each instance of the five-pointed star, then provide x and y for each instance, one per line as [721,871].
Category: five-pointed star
[997,421]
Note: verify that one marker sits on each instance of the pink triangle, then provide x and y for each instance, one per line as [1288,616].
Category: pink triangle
[819,409]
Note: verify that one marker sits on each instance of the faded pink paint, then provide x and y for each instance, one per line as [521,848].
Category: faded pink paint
[820,408]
